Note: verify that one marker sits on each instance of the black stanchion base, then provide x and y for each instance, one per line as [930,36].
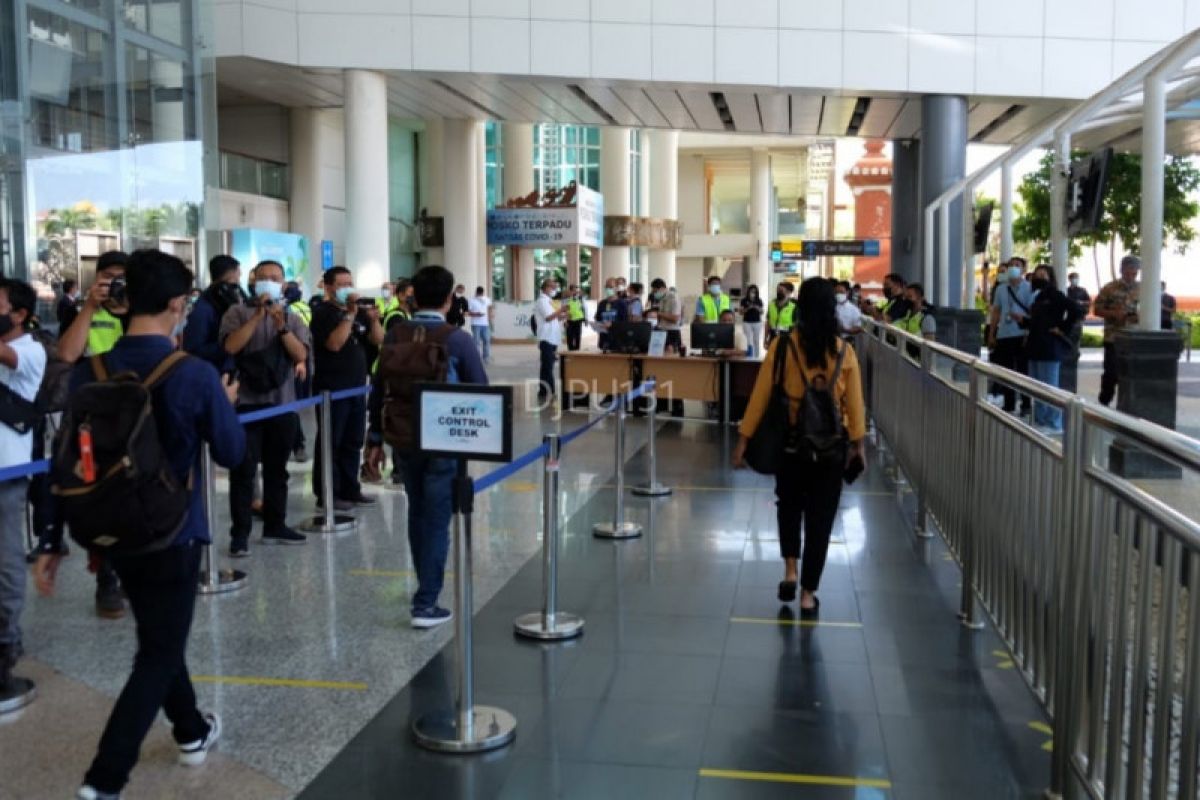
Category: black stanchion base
[613,530]
[19,693]
[226,580]
[341,524]
[652,490]
[491,728]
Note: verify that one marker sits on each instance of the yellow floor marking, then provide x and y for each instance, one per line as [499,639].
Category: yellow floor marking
[520,486]
[750,489]
[389,573]
[797,623]
[788,777]
[1005,659]
[235,680]
[1042,727]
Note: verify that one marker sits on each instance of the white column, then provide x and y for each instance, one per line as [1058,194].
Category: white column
[1154,147]
[642,206]
[760,225]
[367,247]
[1006,212]
[432,180]
[517,139]
[461,192]
[1060,243]
[483,272]
[614,185]
[664,195]
[307,196]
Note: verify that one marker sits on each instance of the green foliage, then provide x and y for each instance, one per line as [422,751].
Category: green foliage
[1092,338]
[1122,217]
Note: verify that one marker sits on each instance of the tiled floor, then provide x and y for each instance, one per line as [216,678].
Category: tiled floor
[690,680]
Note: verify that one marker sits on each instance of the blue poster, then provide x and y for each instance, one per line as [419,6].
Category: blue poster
[326,254]
[251,245]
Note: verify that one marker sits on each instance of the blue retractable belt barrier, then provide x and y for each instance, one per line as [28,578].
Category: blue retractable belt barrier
[278,411]
[346,394]
[24,470]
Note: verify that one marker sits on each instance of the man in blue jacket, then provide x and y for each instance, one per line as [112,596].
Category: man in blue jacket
[428,481]
[192,407]
[201,335]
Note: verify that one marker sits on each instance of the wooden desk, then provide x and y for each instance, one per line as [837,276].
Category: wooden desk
[594,373]
[691,378]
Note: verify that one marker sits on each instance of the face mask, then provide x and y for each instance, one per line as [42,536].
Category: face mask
[386,294]
[1074,281]
[272,290]
[841,297]
[342,295]
[659,295]
[1015,273]
[458,294]
[609,291]
[177,331]
[6,325]
[1040,284]
[714,289]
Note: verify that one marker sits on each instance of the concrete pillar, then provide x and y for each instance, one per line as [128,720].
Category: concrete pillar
[307,196]
[1006,214]
[483,273]
[642,204]
[461,192]
[944,163]
[1060,242]
[517,139]
[906,210]
[614,185]
[368,249]
[432,179]
[663,147]
[759,263]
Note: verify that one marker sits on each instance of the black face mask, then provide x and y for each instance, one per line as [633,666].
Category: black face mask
[6,324]
[1040,283]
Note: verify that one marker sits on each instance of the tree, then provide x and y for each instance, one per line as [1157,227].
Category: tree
[1121,221]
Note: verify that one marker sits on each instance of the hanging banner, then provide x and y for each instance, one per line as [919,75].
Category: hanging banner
[550,226]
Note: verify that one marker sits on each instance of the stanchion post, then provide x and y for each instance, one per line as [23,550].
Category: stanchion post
[619,528]
[653,488]
[212,579]
[328,521]
[550,623]
[468,728]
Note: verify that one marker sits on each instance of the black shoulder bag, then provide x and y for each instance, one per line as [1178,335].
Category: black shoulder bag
[764,451]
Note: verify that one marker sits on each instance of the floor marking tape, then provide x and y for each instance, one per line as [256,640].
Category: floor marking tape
[788,777]
[798,623]
[236,680]
[752,489]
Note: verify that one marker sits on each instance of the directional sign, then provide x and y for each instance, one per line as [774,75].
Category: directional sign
[788,251]
[465,421]
[841,247]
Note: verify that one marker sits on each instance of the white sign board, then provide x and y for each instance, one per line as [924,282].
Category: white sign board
[473,422]
[550,227]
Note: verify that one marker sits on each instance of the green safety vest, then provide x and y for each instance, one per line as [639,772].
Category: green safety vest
[778,320]
[714,308]
[575,310]
[911,322]
[104,332]
[301,310]
[386,306]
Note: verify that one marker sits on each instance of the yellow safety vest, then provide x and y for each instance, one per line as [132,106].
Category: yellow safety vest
[576,312]
[386,306]
[911,322]
[714,308]
[105,331]
[301,310]
[781,320]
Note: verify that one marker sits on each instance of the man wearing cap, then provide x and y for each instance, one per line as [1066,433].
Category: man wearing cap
[201,337]
[1117,305]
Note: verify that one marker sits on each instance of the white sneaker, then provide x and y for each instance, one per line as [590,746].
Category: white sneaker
[193,754]
[88,793]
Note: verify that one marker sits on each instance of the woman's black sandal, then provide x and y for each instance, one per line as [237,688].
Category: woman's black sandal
[787,591]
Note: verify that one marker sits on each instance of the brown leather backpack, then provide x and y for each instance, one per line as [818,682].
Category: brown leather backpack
[413,353]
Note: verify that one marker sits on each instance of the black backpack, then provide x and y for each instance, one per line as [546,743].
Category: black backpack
[413,353]
[819,435]
[110,470]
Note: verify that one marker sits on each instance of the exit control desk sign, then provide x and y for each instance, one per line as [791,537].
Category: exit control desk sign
[462,421]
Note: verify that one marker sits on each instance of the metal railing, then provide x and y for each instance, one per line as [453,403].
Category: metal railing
[1082,546]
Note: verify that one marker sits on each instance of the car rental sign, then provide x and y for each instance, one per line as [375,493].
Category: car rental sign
[465,422]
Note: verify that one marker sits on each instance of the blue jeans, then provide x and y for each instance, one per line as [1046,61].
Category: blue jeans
[483,340]
[429,484]
[1043,414]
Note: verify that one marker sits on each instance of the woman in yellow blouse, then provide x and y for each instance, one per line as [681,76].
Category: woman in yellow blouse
[807,492]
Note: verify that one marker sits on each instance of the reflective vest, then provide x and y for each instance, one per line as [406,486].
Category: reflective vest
[386,306]
[104,332]
[301,310]
[781,320]
[394,313]
[713,308]
[911,322]
[575,307]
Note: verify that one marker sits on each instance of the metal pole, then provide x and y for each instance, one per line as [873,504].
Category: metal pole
[328,521]
[921,479]
[550,623]
[943,281]
[927,242]
[1006,212]
[725,410]
[653,488]
[1154,145]
[212,579]
[467,728]
[619,528]
[976,489]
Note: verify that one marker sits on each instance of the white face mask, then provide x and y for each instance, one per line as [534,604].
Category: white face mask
[386,294]
[1074,281]
[841,298]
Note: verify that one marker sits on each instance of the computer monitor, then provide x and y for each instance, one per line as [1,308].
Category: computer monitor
[709,337]
[629,337]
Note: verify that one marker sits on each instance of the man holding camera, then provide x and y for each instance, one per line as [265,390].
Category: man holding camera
[99,325]
[202,336]
[270,348]
[344,326]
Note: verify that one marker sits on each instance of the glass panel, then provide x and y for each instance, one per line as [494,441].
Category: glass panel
[69,85]
[158,103]
[239,173]
[273,179]
[164,19]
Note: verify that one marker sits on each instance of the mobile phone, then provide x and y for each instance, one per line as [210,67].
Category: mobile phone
[854,469]
[366,302]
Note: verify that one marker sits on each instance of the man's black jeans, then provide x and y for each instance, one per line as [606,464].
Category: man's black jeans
[548,353]
[268,442]
[349,420]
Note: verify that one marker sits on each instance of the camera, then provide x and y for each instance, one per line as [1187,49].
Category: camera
[366,302]
[116,290]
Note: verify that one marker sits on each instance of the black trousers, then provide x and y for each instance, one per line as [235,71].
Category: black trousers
[548,353]
[349,420]
[1108,380]
[809,495]
[270,443]
[1010,354]
[162,593]
[574,334]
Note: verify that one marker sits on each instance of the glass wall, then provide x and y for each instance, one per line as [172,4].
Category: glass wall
[109,150]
